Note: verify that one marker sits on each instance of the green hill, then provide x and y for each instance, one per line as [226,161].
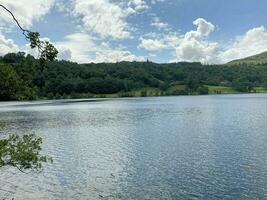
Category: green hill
[256,59]
[25,78]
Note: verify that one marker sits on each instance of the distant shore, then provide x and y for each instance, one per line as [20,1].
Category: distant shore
[149,92]
[155,92]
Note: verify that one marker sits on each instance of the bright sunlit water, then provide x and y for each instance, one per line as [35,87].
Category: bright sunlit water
[187,147]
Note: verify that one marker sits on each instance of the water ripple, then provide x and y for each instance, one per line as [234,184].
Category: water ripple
[206,147]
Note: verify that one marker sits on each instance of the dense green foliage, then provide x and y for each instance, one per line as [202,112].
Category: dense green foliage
[23,77]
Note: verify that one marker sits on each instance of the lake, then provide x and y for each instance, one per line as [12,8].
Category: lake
[185,147]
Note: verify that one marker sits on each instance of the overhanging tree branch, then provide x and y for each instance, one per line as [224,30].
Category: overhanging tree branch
[14,18]
[46,50]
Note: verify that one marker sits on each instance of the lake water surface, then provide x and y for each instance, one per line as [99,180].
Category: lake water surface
[187,147]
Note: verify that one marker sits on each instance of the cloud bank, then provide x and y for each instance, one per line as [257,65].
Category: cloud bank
[104,31]
[194,46]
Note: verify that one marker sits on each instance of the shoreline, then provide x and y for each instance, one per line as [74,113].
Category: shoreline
[98,99]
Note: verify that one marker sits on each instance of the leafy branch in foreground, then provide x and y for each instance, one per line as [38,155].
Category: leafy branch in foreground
[22,152]
[46,50]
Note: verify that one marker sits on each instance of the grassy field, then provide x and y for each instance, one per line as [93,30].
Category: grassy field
[174,90]
[221,90]
[230,90]
[260,90]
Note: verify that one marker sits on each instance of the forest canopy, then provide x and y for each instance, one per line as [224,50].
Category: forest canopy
[25,78]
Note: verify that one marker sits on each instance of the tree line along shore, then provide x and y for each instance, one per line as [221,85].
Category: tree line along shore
[24,78]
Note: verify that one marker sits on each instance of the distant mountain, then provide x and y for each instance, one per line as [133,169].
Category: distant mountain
[256,59]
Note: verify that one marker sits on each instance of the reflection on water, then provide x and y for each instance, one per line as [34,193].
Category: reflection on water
[202,147]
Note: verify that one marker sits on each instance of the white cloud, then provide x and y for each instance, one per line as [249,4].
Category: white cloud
[158,42]
[101,21]
[156,1]
[79,46]
[103,17]
[191,47]
[83,48]
[116,55]
[194,48]
[26,12]
[65,54]
[138,5]
[7,45]
[152,44]
[252,42]
[196,51]
[159,24]
[204,28]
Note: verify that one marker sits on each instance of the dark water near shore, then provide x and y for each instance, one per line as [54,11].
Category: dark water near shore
[193,147]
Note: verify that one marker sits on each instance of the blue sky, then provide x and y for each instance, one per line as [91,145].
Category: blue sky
[209,31]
